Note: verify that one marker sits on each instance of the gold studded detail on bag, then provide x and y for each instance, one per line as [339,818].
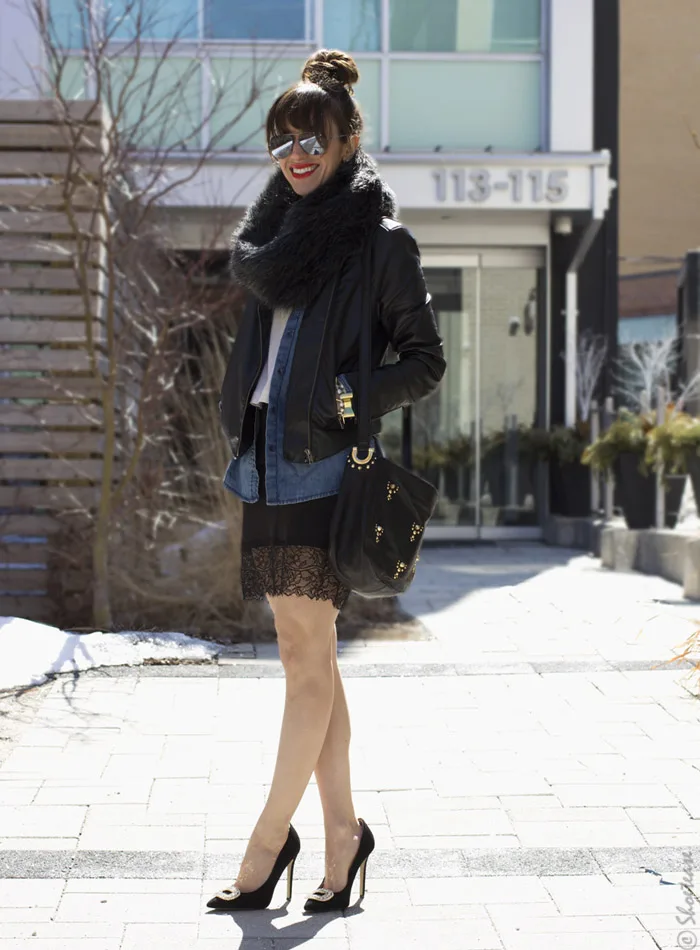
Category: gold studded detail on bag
[378,532]
[391,490]
[400,568]
[416,531]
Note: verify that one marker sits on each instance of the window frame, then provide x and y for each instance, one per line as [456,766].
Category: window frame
[388,56]
[385,11]
[308,38]
[206,50]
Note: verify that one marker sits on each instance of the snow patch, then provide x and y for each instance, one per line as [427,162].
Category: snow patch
[30,652]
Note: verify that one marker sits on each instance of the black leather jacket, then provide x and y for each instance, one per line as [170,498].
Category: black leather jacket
[328,345]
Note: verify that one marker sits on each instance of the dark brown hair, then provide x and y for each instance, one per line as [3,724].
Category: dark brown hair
[324,95]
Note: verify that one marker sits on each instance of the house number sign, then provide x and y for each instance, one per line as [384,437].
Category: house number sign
[518,185]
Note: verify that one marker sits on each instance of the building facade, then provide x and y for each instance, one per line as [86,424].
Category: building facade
[495,123]
[660,161]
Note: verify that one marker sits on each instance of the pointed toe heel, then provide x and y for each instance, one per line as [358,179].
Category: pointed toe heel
[232,898]
[323,899]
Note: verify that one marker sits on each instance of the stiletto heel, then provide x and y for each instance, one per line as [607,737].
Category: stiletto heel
[363,875]
[324,899]
[290,877]
[232,898]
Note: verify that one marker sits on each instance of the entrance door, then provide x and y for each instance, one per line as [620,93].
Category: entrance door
[476,438]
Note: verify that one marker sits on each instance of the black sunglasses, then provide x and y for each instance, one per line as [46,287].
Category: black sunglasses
[282,146]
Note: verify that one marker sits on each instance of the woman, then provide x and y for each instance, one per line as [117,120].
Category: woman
[287,409]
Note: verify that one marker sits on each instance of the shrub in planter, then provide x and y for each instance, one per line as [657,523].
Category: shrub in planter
[568,443]
[624,449]
[675,442]
[498,453]
[534,443]
[459,450]
[428,460]
[627,433]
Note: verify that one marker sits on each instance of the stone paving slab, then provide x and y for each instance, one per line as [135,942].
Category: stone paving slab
[174,866]
[531,771]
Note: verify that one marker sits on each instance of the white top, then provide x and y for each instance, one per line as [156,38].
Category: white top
[279,322]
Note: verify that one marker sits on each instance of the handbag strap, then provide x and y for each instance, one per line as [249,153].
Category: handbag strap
[365,362]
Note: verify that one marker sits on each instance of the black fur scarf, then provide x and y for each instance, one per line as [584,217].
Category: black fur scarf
[287,247]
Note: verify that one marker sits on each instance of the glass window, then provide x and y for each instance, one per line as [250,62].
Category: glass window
[73,84]
[467,105]
[232,81]
[352,25]
[443,26]
[162,101]
[66,24]
[517,26]
[255,19]
[649,329]
[160,20]
[234,78]
[367,92]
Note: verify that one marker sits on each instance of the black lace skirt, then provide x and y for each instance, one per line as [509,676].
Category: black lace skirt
[284,548]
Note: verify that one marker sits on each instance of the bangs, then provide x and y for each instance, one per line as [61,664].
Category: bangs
[306,108]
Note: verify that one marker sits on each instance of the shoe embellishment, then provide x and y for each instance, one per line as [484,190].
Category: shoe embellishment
[322,894]
[229,893]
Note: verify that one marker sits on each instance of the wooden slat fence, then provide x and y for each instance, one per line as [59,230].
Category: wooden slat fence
[51,439]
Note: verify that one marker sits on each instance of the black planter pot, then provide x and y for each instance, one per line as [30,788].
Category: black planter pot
[570,489]
[519,515]
[637,494]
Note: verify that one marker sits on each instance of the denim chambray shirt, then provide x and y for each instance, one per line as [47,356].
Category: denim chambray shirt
[285,482]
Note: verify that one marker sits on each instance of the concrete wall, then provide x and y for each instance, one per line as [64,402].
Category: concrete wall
[21,53]
[660,106]
[571,76]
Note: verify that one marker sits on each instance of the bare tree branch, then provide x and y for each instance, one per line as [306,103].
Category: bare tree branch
[591,354]
[158,471]
[641,368]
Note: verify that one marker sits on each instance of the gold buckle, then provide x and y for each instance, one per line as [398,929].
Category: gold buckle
[346,402]
[370,453]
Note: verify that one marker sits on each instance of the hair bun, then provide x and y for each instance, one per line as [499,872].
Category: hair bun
[331,67]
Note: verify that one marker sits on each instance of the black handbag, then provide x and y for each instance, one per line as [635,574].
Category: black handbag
[382,508]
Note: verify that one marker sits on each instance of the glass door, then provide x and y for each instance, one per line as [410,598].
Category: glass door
[476,438]
[512,396]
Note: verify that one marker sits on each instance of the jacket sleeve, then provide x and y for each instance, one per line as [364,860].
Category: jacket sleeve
[403,305]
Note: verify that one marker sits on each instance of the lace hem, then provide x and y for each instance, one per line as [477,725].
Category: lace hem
[291,569]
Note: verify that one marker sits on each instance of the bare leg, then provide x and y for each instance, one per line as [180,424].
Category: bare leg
[332,771]
[305,634]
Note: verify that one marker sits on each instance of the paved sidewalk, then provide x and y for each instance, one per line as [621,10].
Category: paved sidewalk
[531,773]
